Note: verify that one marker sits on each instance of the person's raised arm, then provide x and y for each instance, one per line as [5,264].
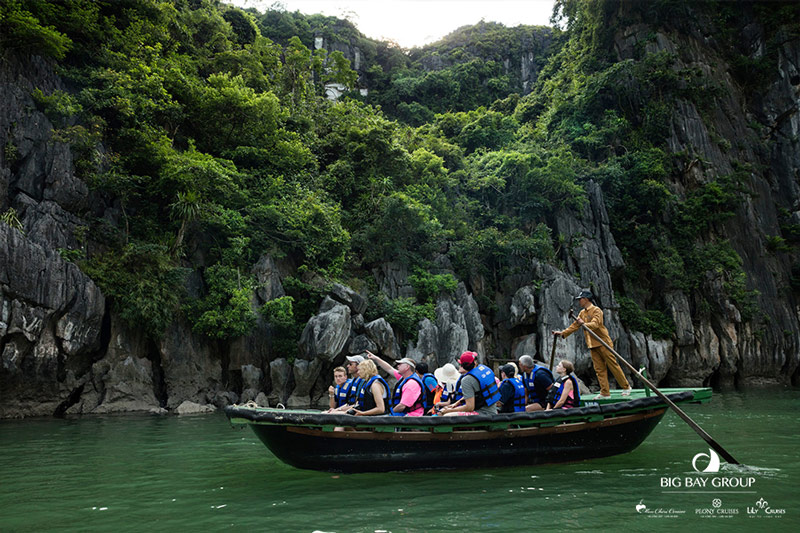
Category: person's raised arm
[381,363]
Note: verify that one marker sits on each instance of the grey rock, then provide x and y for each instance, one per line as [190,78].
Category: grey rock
[262,400]
[360,344]
[191,408]
[472,318]
[268,280]
[381,333]
[252,377]
[325,334]
[280,374]
[305,374]
[527,345]
[349,297]
[123,379]
[392,279]
[523,306]
[680,311]
[192,371]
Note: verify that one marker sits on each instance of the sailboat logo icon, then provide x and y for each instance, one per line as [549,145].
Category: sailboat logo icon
[713,461]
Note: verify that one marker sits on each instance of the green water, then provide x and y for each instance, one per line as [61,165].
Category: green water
[143,473]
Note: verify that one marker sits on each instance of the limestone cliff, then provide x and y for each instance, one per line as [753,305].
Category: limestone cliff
[64,350]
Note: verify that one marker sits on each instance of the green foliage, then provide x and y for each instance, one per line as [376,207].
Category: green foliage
[651,322]
[495,253]
[144,286]
[404,314]
[429,286]
[225,311]
[10,218]
[285,328]
[58,106]
[777,244]
[24,33]
[244,27]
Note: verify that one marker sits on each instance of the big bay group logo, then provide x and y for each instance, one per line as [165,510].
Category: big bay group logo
[713,461]
[716,492]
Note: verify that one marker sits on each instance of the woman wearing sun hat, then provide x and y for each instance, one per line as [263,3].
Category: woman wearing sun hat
[447,391]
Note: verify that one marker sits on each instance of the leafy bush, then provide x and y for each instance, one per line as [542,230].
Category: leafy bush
[285,328]
[404,314]
[225,311]
[143,284]
[655,323]
[428,285]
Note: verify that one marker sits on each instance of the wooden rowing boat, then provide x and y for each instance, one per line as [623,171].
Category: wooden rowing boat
[310,439]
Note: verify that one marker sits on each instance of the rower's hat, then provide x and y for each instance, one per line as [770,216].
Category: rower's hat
[585,293]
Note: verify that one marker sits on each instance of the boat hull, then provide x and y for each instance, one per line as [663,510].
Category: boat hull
[367,451]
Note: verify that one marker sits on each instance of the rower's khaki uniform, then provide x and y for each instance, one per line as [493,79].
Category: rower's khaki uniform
[602,359]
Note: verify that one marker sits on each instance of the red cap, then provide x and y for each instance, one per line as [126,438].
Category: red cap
[467,358]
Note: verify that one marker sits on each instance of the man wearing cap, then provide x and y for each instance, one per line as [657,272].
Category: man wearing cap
[354,383]
[407,397]
[478,386]
[512,391]
[603,360]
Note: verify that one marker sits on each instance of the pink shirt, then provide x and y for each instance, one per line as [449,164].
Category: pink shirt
[411,392]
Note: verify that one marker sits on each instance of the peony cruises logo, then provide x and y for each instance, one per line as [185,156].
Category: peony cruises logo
[713,462]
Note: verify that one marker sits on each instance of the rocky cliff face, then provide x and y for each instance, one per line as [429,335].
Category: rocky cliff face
[64,351]
[744,130]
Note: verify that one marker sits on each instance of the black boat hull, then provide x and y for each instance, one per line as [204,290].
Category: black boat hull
[367,451]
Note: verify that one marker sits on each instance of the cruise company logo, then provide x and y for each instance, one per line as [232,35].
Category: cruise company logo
[658,512]
[763,510]
[713,462]
[708,479]
[716,510]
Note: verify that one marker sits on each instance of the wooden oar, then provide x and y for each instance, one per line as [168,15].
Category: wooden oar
[553,353]
[692,424]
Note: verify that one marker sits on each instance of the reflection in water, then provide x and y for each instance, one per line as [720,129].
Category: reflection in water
[120,473]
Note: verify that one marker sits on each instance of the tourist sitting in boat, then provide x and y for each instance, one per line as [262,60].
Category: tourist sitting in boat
[373,399]
[407,397]
[512,391]
[429,382]
[355,381]
[447,392]
[337,393]
[479,387]
[567,392]
[537,380]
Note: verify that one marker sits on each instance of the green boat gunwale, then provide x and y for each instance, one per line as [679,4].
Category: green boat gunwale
[591,412]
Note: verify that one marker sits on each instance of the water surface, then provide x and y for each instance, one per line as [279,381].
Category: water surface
[197,473]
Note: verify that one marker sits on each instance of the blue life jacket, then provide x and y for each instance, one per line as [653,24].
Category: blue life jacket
[449,395]
[354,389]
[340,393]
[575,401]
[457,393]
[365,399]
[518,401]
[528,380]
[429,389]
[489,395]
[398,393]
